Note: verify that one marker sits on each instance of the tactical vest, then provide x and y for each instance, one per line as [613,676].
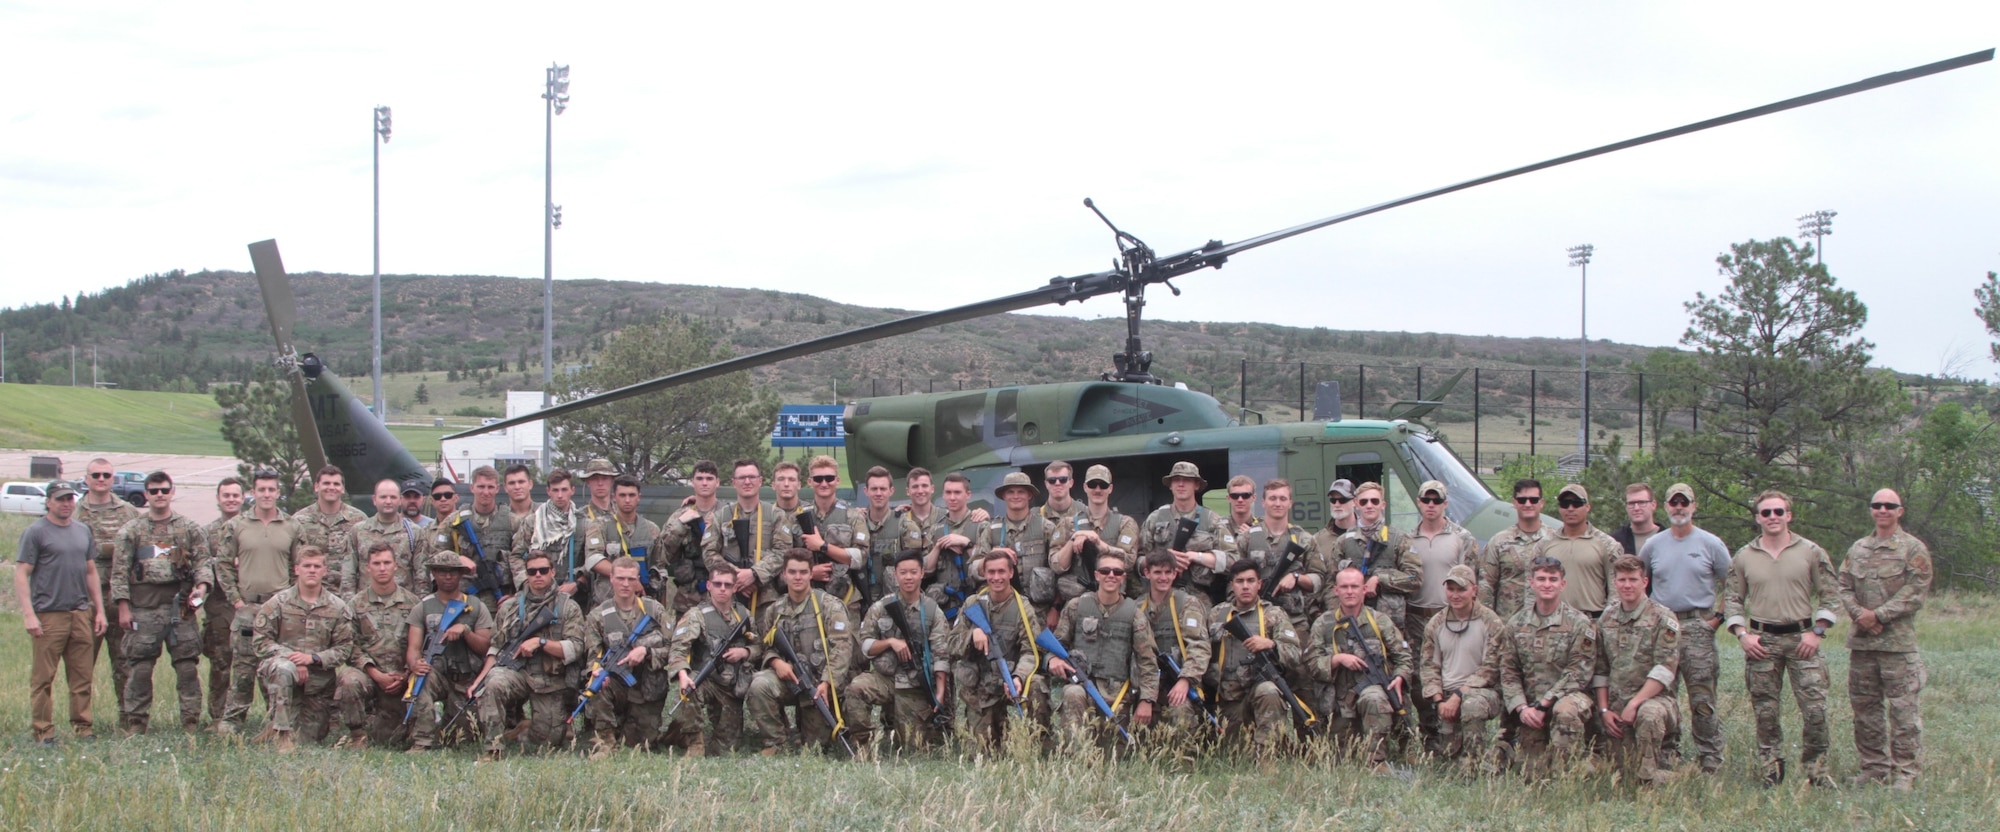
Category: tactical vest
[1104,640]
[457,659]
[1032,575]
[714,626]
[162,559]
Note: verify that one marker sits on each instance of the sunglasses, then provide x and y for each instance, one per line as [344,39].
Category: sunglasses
[167,490]
[1368,501]
[1677,503]
[1097,484]
[1885,506]
[1057,480]
[1770,512]
[1240,495]
[1571,503]
[1111,572]
[1545,562]
[826,478]
[1339,501]
[100,476]
[540,570]
[1431,501]
[1528,501]
[444,495]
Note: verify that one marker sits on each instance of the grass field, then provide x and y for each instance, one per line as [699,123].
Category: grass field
[84,419]
[172,780]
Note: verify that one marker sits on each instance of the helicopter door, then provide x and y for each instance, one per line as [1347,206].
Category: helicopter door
[1356,465]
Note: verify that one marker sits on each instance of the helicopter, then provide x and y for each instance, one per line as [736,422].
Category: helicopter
[1128,419]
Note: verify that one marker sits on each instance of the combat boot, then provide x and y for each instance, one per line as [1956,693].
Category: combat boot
[264,735]
[491,754]
[1774,772]
[696,747]
[357,740]
[602,746]
[283,742]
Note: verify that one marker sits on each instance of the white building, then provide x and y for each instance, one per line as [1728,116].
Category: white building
[521,443]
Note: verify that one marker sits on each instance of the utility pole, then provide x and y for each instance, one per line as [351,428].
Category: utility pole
[1579,256]
[1817,225]
[375,371]
[556,93]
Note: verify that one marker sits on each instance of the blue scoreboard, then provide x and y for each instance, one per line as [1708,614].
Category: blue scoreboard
[809,426]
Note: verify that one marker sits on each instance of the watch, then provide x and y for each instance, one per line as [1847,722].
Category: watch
[1819,629]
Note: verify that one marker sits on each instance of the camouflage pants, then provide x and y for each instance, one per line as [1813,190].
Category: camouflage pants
[1699,671]
[1766,681]
[1369,711]
[242,667]
[1884,689]
[1082,720]
[764,710]
[1422,706]
[439,689]
[719,707]
[505,692]
[1560,737]
[618,715]
[1465,738]
[988,724]
[1644,742]
[364,705]
[156,630]
[305,707]
[909,708]
[215,620]
[113,645]
[1260,710]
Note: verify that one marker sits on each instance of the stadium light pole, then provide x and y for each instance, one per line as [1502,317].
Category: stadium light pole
[1579,256]
[375,366]
[1817,225]
[556,93]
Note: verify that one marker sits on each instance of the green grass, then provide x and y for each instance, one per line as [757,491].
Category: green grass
[171,780]
[84,419]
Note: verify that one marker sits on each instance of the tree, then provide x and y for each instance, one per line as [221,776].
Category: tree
[1988,310]
[1788,398]
[1671,386]
[257,422]
[1945,468]
[423,393]
[662,434]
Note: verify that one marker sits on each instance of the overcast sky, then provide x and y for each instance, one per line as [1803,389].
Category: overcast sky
[931,154]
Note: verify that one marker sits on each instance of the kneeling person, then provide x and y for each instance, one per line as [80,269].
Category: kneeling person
[1462,649]
[814,623]
[1244,698]
[1112,643]
[905,669]
[1343,641]
[537,651]
[449,679]
[374,677]
[720,696]
[301,635]
[621,712]
[1545,670]
[1638,653]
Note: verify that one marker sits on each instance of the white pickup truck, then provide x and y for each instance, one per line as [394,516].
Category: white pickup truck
[23,498]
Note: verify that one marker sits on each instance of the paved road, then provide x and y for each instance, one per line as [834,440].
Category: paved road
[194,476]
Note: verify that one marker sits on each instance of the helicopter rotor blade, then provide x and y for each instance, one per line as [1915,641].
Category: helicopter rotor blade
[282,310]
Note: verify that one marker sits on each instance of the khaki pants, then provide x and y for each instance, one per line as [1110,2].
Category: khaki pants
[66,638]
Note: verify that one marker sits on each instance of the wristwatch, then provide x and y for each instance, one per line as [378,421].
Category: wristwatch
[1819,629]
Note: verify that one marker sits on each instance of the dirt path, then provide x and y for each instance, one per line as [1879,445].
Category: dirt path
[194,476]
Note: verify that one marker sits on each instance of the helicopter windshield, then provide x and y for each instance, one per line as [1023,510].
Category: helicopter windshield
[1429,459]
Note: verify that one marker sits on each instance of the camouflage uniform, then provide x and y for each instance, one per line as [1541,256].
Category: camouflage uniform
[978,681]
[451,673]
[334,535]
[411,544]
[619,713]
[611,539]
[1244,700]
[215,618]
[289,624]
[1548,665]
[720,550]
[381,639]
[496,539]
[156,566]
[842,528]
[1257,546]
[1114,649]
[565,551]
[1803,562]
[676,554]
[817,629]
[1121,538]
[895,686]
[1632,647]
[596,531]
[1479,695]
[1386,555]
[1892,578]
[952,580]
[720,696]
[1346,699]
[546,684]
[885,539]
[1211,534]
[253,560]
[1180,630]
[1504,571]
[105,522]
[1029,538]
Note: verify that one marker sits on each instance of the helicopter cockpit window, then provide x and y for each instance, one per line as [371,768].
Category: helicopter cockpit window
[1006,412]
[958,423]
[1429,459]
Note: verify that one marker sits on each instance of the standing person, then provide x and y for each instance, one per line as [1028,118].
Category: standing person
[540,671]
[1778,603]
[840,535]
[1021,531]
[106,515]
[1242,494]
[1585,551]
[411,504]
[487,521]
[302,635]
[1689,567]
[1546,674]
[1061,508]
[1093,529]
[62,603]
[216,617]
[1460,671]
[1339,518]
[1504,565]
[884,527]
[593,520]
[329,524]
[469,636]
[555,528]
[719,697]
[1267,543]
[1640,525]
[986,694]
[159,577]
[1337,651]
[373,680]
[1638,653]
[388,525]
[755,560]
[1245,700]
[1179,621]
[815,624]
[624,533]
[903,668]
[1207,548]
[1392,571]
[1439,544]
[1883,583]
[950,537]
[677,551]
[1112,645]
[253,560]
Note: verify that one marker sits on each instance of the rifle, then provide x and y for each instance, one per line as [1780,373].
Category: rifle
[508,657]
[808,685]
[899,615]
[1184,532]
[809,525]
[1376,673]
[486,574]
[1280,566]
[708,665]
[1268,670]
[741,527]
[976,614]
[607,664]
[1048,641]
[433,649]
[1170,672]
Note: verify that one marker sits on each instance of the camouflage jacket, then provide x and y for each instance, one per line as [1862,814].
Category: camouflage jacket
[885,539]
[1431,668]
[696,634]
[608,626]
[1547,657]
[157,561]
[1332,634]
[288,624]
[677,552]
[1258,546]
[1014,630]
[1386,556]
[1636,645]
[843,527]
[1114,646]
[766,553]
[1120,536]
[334,535]
[1503,570]
[410,543]
[1232,667]
[546,673]
[1891,577]
[105,522]
[953,578]
[817,628]
[1029,538]
[496,539]
[1180,627]
[611,539]
[1211,534]
[928,647]
[381,629]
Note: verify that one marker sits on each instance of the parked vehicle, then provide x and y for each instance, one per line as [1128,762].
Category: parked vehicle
[131,487]
[24,498]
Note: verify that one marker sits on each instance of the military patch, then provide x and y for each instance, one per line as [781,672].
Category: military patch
[1124,540]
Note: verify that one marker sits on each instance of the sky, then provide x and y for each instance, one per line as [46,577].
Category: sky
[926,155]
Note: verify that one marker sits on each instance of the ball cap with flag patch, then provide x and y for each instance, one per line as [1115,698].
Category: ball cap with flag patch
[1460,574]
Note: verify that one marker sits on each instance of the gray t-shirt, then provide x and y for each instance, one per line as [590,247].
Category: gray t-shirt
[61,558]
[1687,572]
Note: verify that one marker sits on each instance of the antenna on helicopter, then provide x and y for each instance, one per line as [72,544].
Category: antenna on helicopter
[1135,268]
